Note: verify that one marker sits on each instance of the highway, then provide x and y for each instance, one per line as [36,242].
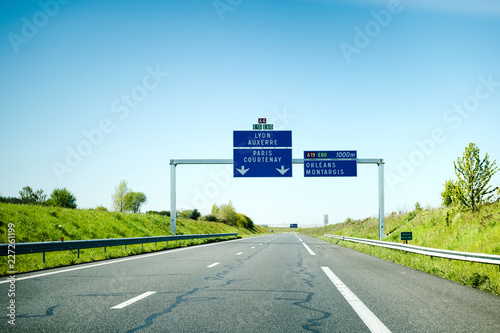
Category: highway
[271,283]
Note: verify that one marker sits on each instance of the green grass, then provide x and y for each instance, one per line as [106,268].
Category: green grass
[41,224]
[442,228]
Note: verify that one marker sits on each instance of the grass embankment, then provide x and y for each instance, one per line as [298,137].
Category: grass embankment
[41,224]
[438,228]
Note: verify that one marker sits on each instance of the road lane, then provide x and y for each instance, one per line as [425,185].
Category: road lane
[273,285]
[408,300]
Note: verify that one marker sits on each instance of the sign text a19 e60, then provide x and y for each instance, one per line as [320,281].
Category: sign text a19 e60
[337,163]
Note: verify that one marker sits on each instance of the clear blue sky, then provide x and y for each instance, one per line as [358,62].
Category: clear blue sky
[94,92]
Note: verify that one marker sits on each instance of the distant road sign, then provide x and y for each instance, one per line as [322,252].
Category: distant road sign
[262,153]
[293,225]
[406,235]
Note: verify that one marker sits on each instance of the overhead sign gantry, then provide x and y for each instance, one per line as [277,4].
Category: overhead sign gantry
[267,153]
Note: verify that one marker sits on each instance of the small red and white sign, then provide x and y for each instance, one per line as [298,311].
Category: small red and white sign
[262,120]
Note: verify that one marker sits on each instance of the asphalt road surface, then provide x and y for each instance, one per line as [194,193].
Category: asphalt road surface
[272,283]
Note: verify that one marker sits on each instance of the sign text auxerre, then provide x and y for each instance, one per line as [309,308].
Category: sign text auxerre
[263,140]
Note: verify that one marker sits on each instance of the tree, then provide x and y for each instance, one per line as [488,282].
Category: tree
[474,174]
[227,214]
[185,214]
[448,195]
[119,196]
[249,224]
[61,197]
[28,196]
[134,201]
[210,218]
[215,210]
[195,214]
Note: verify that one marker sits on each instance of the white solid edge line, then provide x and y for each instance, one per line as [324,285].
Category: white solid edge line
[114,261]
[308,249]
[213,265]
[239,253]
[371,321]
[133,300]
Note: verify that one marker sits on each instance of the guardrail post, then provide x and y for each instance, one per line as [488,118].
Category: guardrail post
[105,250]
[78,254]
[43,257]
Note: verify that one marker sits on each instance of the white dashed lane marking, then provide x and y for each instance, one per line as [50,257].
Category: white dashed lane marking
[133,300]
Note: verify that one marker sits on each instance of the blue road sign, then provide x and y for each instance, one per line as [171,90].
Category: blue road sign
[338,168]
[293,225]
[331,163]
[262,139]
[262,153]
[262,162]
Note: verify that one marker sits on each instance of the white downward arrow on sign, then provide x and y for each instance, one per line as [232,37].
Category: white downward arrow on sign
[243,170]
[282,170]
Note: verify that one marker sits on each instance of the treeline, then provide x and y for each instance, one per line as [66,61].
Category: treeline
[60,197]
[124,199]
[225,213]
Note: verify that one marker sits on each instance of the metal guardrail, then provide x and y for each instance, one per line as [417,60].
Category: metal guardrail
[42,247]
[448,254]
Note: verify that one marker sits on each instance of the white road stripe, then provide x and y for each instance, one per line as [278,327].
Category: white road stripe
[309,250]
[213,265]
[239,253]
[371,321]
[253,247]
[133,300]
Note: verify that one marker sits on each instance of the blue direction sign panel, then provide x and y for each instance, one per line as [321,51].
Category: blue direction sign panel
[262,162]
[262,139]
[262,154]
[330,163]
